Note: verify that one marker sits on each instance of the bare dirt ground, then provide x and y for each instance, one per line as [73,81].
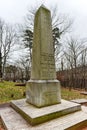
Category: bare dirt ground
[84,128]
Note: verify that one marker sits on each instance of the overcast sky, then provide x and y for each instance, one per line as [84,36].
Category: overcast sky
[13,11]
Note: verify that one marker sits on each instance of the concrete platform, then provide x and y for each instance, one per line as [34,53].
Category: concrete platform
[83,93]
[80,101]
[14,121]
[36,115]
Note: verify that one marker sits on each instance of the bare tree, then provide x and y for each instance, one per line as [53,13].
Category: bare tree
[60,25]
[72,52]
[7,40]
[1,33]
[0,65]
[83,68]
[24,66]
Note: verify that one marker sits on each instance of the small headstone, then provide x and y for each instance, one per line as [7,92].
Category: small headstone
[1,80]
[80,101]
[83,93]
[43,89]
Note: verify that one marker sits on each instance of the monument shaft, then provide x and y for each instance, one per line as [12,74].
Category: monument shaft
[43,89]
[43,63]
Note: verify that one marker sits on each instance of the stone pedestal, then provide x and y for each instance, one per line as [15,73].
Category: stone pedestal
[43,89]
[36,115]
[43,92]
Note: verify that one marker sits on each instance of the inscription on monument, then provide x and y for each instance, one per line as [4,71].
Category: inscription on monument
[47,41]
[52,95]
[47,65]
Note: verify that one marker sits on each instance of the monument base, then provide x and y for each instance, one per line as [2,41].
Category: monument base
[43,92]
[36,115]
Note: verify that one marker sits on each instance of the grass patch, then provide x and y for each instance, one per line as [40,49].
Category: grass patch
[73,94]
[8,91]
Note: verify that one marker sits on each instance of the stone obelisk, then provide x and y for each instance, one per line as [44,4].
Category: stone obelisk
[43,89]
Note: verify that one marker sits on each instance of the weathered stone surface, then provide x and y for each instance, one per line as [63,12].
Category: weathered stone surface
[43,63]
[12,120]
[84,93]
[43,93]
[74,121]
[43,89]
[80,101]
[36,115]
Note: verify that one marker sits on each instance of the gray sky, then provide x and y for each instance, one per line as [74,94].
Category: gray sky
[13,11]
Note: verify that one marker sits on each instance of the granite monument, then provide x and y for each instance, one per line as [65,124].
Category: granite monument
[43,88]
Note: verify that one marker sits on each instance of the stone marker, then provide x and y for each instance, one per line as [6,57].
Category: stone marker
[43,89]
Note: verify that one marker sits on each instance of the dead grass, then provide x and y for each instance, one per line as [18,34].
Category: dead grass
[73,94]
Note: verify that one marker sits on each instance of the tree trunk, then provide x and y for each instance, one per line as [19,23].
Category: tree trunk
[0,64]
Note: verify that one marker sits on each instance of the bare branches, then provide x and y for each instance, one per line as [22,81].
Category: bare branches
[7,40]
[60,25]
[73,50]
